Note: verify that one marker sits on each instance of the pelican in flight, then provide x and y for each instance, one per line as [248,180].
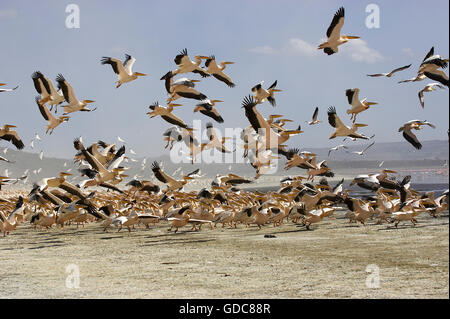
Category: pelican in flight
[74,104]
[52,121]
[335,39]
[341,128]
[262,94]
[217,72]
[314,117]
[430,67]
[390,73]
[428,88]
[7,90]
[182,87]
[172,184]
[358,105]
[361,153]
[123,70]
[11,136]
[166,114]
[44,86]
[185,65]
[214,141]
[409,135]
[419,77]
[206,107]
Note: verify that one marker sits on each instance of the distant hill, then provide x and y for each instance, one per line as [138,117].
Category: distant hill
[399,154]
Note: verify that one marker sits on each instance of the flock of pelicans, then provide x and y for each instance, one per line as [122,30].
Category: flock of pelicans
[55,200]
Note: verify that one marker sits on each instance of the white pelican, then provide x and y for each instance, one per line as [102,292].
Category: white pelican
[8,224]
[185,65]
[419,77]
[36,136]
[172,184]
[49,94]
[428,88]
[11,136]
[182,87]
[7,90]
[262,94]
[166,114]
[358,105]
[364,150]
[217,72]
[336,148]
[390,73]
[409,135]
[74,104]
[314,117]
[335,39]
[214,142]
[5,160]
[341,128]
[430,67]
[123,70]
[206,107]
[52,122]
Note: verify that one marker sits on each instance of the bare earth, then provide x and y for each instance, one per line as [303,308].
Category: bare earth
[327,262]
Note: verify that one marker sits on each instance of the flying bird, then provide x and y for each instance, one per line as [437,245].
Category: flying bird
[409,135]
[341,128]
[358,105]
[262,94]
[337,147]
[182,87]
[123,69]
[11,136]
[7,90]
[390,73]
[364,150]
[52,121]
[314,117]
[166,114]
[335,39]
[74,104]
[44,86]
[419,77]
[186,65]
[206,107]
[428,88]
[431,65]
[217,71]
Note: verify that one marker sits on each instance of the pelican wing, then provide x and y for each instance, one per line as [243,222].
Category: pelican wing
[400,69]
[224,78]
[439,76]
[68,92]
[14,138]
[46,114]
[315,114]
[412,139]
[128,63]
[333,119]
[334,30]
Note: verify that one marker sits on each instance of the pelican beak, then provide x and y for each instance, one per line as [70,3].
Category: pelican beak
[293,132]
[1,84]
[124,175]
[195,81]
[228,62]
[371,103]
[10,126]
[360,125]
[203,57]
[352,37]
[389,171]
[140,74]
[216,101]
[89,101]
[176,104]
[276,90]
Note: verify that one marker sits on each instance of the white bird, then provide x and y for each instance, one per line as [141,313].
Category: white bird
[123,70]
[381,164]
[41,155]
[419,77]
[390,73]
[36,136]
[262,94]
[5,160]
[314,117]
[5,150]
[44,86]
[358,105]
[428,88]
[363,151]
[132,152]
[336,148]
[430,67]
[185,65]
[7,90]
[335,39]
[73,104]
[341,129]
[409,135]
[120,139]
[32,144]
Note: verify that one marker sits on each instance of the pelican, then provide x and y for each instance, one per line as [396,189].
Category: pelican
[8,224]
[7,90]
[172,184]
[52,121]
[314,117]
[206,108]
[217,72]
[341,128]
[419,77]
[11,136]
[409,135]
[430,67]
[6,160]
[182,87]
[361,153]
[74,104]
[214,142]
[262,94]
[428,88]
[185,65]
[335,39]
[358,105]
[45,87]
[166,114]
[337,147]
[123,70]
[390,73]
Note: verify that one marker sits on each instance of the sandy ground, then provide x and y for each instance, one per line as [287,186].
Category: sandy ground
[329,261]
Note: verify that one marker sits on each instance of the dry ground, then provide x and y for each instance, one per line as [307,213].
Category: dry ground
[327,262]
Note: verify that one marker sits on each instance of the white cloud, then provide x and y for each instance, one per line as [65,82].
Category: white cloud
[358,51]
[300,47]
[409,52]
[8,14]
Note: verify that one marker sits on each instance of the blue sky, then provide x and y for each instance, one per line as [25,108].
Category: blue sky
[267,40]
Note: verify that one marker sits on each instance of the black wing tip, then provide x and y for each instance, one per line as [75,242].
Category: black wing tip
[36,75]
[329,51]
[154,105]
[155,166]
[331,110]
[248,101]
[60,78]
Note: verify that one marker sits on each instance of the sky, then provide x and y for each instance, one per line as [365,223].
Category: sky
[267,40]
